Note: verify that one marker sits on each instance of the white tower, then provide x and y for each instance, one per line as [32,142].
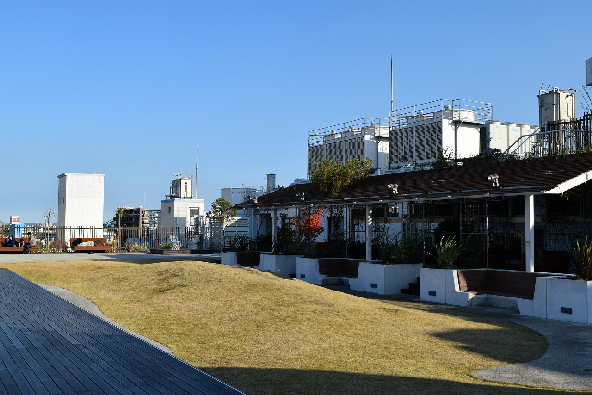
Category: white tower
[81,200]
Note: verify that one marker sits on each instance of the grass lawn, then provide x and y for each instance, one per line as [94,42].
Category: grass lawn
[270,335]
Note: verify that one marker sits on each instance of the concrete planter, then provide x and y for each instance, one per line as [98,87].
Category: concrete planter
[284,265]
[229,258]
[307,269]
[441,286]
[567,300]
[384,279]
[241,258]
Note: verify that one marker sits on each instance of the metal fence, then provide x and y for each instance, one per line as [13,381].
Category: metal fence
[58,238]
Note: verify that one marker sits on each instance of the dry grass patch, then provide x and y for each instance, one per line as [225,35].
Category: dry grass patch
[266,334]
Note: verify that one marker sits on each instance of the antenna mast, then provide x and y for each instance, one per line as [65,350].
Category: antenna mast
[392,95]
[196,164]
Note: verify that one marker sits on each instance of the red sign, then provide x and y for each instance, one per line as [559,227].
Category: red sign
[15,219]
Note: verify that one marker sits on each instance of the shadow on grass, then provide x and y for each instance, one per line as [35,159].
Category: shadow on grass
[284,381]
[498,344]
[144,259]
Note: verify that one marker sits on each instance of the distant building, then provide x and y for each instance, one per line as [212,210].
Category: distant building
[180,209]
[81,200]
[138,218]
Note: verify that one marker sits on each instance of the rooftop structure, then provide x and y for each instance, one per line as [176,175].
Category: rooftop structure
[556,105]
[419,133]
[358,139]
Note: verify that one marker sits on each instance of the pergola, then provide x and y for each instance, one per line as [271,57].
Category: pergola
[528,177]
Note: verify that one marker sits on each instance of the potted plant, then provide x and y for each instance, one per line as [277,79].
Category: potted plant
[287,246]
[438,280]
[238,252]
[393,270]
[308,227]
[568,298]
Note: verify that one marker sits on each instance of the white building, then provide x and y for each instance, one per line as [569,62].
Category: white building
[180,209]
[81,200]
[244,223]
[452,127]
[360,139]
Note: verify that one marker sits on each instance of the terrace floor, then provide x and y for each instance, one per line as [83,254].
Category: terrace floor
[50,346]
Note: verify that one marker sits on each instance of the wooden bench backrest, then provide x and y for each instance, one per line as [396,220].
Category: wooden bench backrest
[339,267]
[472,280]
[85,239]
[16,239]
[512,283]
[248,258]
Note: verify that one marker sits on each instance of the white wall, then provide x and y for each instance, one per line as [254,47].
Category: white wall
[81,201]
[467,139]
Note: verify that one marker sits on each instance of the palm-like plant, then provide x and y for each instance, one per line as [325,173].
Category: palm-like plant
[582,253]
[447,251]
[120,213]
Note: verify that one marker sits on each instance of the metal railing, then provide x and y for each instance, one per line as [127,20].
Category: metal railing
[551,142]
[317,137]
[456,109]
[125,239]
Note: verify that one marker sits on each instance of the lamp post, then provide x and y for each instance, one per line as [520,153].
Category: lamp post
[48,214]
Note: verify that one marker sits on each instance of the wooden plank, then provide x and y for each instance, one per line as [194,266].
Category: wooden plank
[53,346]
[101,377]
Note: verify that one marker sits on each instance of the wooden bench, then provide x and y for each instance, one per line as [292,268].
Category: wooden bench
[339,267]
[499,282]
[16,250]
[95,248]
[248,258]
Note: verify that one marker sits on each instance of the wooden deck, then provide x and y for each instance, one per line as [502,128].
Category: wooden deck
[50,346]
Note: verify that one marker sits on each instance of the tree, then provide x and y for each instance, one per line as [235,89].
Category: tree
[333,176]
[221,212]
[308,224]
[120,213]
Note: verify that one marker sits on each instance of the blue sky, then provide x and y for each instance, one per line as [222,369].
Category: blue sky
[129,88]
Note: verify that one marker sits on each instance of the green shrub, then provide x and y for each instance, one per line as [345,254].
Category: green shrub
[447,252]
[333,176]
[394,250]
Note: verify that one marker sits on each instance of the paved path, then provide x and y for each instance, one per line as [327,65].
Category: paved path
[50,346]
[567,364]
